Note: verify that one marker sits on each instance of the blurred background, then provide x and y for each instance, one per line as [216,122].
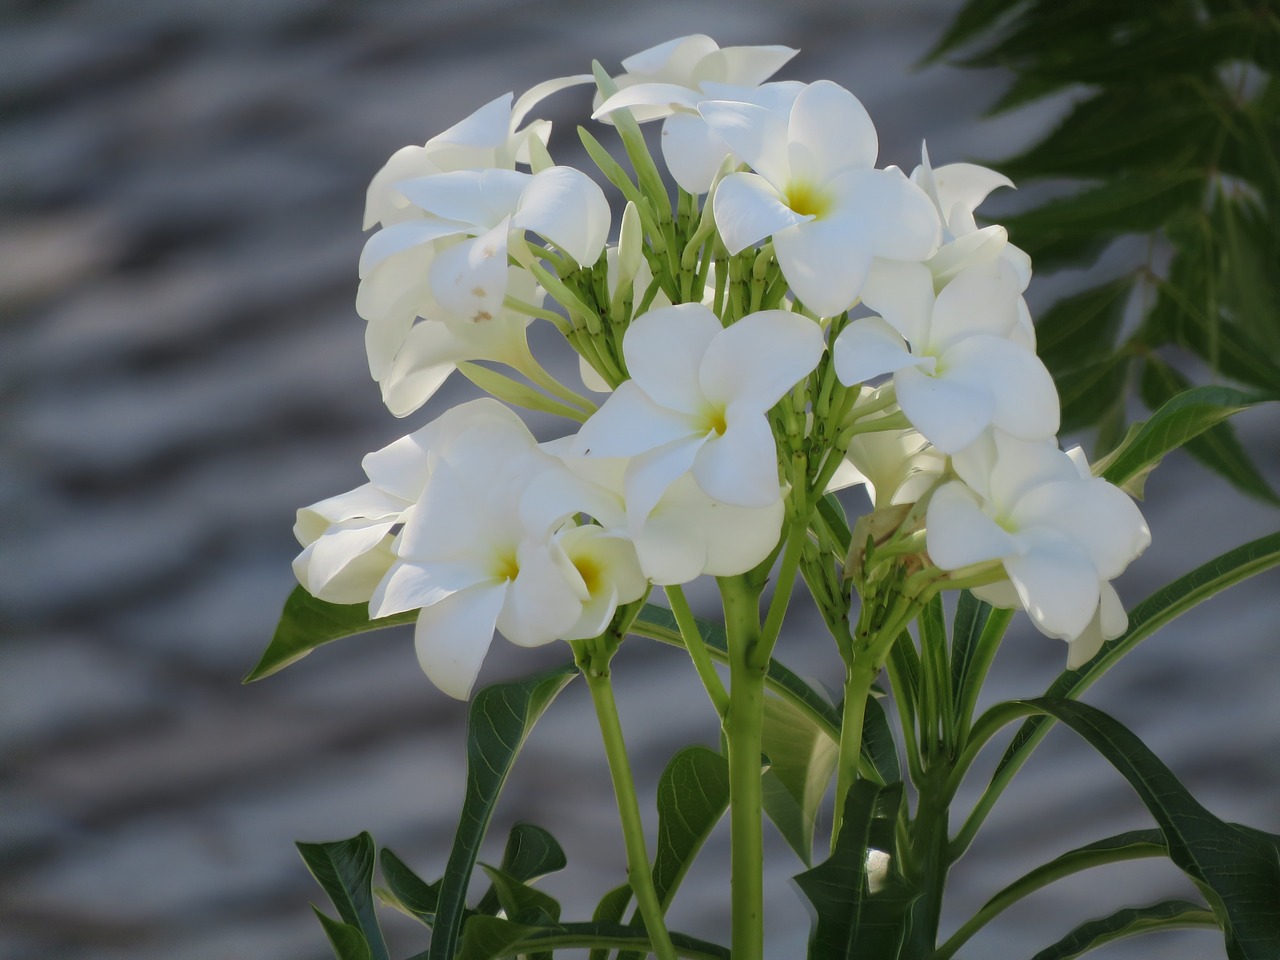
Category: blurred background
[182,185]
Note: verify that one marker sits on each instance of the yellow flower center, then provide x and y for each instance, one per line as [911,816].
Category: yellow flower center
[806,199]
[591,572]
[506,566]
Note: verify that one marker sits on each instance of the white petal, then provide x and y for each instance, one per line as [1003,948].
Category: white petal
[1110,621]
[542,603]
[869,348]
[665,349]
[591,379]
[650,474]
[470,279]
[486,127]
[1095,514]
[972,249]
[898,219]
[962,186]
[1022,465]
[829,131]
[479,198]
[567,208]
[629,423]
[346,564]
[1002,594]
[665,97]
[408,586]
[692,151]
[959,533]
[760,358]
[747,209]
[401,236]
[1026,400]
[740,467]
[1056,581]
[365,502]
[739,538]
[950,412]
[540,92]
[756,135]
[383,202]
[673,57]
[825,261]
[747,66]
[671,548]
[453,636]
[980,300]
[902,293]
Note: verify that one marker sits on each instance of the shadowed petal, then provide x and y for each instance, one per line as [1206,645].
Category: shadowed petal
[453,636]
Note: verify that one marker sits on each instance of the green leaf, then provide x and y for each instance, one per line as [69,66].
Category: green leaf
[609,912]
[488,938]
[306,623]
[1217,447]
[1237,868]
[1081,330]
[520,902]
[853,922]
[1181,418]
[973,18]
[878,745]
[802,761]
[347,941]
[500,719]
[344,869]
[1167,603]
[405,890]
[1129,922]
[1087,393]
[531,853]
[658,623]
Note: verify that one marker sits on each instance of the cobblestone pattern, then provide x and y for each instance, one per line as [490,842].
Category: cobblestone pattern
[181,368]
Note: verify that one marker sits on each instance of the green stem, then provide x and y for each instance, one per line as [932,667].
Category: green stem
[698,650]
[781,592]
[743,727]
[858,679]
[929,854]
[593,660]
[537,374]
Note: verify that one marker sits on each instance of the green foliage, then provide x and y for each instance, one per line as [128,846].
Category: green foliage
[488,938]
[860,903]
[802,760]
[1237,868]
[1129,922]
[344,869]
[1175,139]
[500,719]
[306,623]
[531,852]
[347,941]
[405,890]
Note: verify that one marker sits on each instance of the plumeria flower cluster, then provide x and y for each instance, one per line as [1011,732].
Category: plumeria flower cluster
[800,319]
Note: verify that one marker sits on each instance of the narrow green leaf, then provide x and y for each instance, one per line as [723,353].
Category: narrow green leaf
[531,853]
[405,890]
[344,869]
[658,623]
[347,941]
[966,630]
[1217,447]
[1129,922]
[489,938]
[609,912]
[1236,867]
[1087,393]
[878,745]
[802,761]
[860,902]
[307,623]
[1181,418]
[972,19]
[1081,330]
[500,719]
[832,512]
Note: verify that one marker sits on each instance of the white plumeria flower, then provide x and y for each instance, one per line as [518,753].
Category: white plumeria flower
[489,138]
[1059,536]
[697,401]
[816,192]
[347,538]
[955,368]
[468,560]
[895,466]
[667,82]
[686,535]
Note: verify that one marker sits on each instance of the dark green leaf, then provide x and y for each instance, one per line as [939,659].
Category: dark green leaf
[1088,392]
[531,853]
[832,512]
[347,941]
[970,620]
[802,759]
[1081,330]
[306,623]
[344,869]
[520,902]
[1129,922]
[878,746]
[500,719]
[658,623]
[488,938]
[856,915]
[405,890]
[1237,868]
[1181,418]
[693,794]
[974,17]
[609,912]
[1216,447]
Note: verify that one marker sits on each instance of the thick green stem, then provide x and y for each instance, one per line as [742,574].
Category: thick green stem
[929,855]
[594,664]
[743,725]
[857,687]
